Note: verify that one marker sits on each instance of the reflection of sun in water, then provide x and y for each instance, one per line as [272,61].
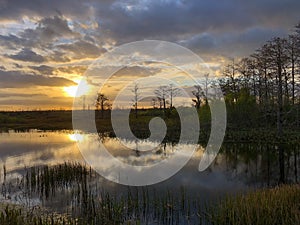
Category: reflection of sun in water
[73,91]
[75,137]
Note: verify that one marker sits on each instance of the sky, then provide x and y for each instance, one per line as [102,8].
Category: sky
[46,46]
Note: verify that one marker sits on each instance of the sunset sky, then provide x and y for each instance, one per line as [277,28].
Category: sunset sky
[46,46]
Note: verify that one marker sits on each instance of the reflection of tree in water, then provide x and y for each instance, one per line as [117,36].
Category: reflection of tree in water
[258,164]
[251,163]
[162,150]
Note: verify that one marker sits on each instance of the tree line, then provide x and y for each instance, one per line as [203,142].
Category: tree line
[266,82]
[268,79]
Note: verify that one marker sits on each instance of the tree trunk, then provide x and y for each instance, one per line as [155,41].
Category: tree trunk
[279,122]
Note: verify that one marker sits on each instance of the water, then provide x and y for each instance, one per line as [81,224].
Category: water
[237,168]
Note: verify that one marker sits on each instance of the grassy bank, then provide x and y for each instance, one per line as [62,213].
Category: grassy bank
[280,205]
[277,206]
[61,120]
[11,214]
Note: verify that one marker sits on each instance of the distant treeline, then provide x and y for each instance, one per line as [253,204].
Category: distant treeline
[263,89]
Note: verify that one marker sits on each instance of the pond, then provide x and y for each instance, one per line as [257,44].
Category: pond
[237,168]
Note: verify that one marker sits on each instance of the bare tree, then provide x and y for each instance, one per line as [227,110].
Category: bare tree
[293,50]
[230,73]
[278,54]
[101,103]
[160,102]
[206,89]
[198,93]
[162,93]
[173,92]
[153,102]
[136,98]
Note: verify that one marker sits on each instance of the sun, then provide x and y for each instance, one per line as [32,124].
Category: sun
[76,137]
[73,91]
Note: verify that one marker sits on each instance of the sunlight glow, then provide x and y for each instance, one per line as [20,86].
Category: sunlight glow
[73,91]
[76,137]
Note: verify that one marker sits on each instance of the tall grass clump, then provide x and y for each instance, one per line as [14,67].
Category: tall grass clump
[276,206]
[17,215]
[47,180]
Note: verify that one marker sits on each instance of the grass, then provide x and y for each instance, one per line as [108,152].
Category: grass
[17,215]
[276,206]
[62,120]
[89,203]
[44,180]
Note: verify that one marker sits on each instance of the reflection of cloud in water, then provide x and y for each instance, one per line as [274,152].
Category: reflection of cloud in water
[20,150]
[29,149]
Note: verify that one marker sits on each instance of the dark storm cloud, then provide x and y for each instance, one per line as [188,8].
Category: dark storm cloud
[15,79]
[27,55]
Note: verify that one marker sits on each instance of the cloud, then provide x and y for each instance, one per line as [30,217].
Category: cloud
[37,101]
[43,35]
[11,41]
[73,69]
[21,95]
[171,20]
[237,44]
[47,30]
[15,79]
[15,10]
[60,37]
[43,69]
[58,56]
[27,55]
[168,20]
[81,49]
[203,42]
[116,22]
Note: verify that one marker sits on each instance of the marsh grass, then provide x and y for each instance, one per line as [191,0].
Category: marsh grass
[17,215]
[47,180]
[90,203]
[280,205]
[62,120]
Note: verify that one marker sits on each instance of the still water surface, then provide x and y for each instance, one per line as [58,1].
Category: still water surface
[237,168]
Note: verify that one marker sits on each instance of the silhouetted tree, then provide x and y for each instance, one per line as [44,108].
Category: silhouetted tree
[198,93]
[136,98]
[173,92]
[162,93]
[101,103]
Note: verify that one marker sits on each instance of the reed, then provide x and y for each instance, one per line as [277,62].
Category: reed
[92,204]
[280,205]
[17,215]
